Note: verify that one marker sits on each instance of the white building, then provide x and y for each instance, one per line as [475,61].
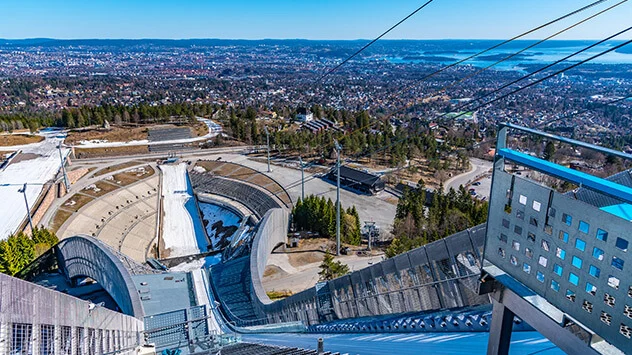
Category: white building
[304,115]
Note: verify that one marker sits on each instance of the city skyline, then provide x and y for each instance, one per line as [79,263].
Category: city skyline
[286,19]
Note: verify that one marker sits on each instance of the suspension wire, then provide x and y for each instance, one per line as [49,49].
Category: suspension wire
[375,40]
[548,76]
[513,39]
[503,96]
[502,60]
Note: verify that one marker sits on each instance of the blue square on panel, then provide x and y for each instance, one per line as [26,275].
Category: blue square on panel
[617,263]
[560,253]
[602,235]
[577,262]
[580,244]
[594,271]
[558,269]
[574,279]
[590,288]
[564,236]
[584,227]
[597,254]
[621,244]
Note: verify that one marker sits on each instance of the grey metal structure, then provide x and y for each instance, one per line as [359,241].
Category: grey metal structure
[437,276]
[557,260]
[84,256]
[38,320]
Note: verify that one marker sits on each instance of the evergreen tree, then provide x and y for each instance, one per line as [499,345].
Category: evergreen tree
[19,250]
[330,269]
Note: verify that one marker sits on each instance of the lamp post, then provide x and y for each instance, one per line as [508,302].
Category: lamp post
[338,149]
[28,210]
[63,168]
[268,144]
[302,178]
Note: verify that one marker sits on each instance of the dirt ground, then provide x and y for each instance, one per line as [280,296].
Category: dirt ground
[199,129]
[18,139]
[77,201]
[24,157]
[272,270]
[298,259]
[86,153]
[103,188]
[116,167]
[115,134]
[131,176]
[60,217]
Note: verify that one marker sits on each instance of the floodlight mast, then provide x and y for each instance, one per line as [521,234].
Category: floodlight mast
[300,160]
[63,168]
[338,149]
[28,209]
[268,144]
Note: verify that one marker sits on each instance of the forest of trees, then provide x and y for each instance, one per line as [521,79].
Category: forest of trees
[19,250]
[317,214]
[361,135]
[77,117]
[416,224]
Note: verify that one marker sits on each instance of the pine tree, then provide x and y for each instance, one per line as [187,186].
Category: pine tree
[330,269]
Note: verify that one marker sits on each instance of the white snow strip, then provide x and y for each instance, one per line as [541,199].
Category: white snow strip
[35,171]
[213,130]
[182,230]
[202,263]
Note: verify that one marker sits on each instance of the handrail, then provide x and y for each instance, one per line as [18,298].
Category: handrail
[607,151]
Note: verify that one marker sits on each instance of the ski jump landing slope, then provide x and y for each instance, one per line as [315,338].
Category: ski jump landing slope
[182,229]
[43,167]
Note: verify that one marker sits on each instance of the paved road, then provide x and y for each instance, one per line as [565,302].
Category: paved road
[305,276]
[478,167]
[523,343]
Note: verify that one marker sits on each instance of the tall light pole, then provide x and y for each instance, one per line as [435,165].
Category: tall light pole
[28,210]
[268,144]
[302,179]
[63,168]
[338,149]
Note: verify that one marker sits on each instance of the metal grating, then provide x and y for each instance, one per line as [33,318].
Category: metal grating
[572,255]
[21,338]
[47,339]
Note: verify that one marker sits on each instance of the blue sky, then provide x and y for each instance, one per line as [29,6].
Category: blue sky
[311,19]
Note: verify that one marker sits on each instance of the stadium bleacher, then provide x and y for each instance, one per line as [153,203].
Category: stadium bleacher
[246,174]
[258,201]
[168,134]
[231,283]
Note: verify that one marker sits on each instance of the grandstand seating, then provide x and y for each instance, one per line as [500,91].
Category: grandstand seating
[258,201]
[247,174]
[231,281]
[167,134]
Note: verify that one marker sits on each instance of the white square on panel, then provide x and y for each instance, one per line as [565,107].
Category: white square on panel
[537,205]
[523,200]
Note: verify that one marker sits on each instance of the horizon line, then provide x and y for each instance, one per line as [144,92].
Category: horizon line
[285,39]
